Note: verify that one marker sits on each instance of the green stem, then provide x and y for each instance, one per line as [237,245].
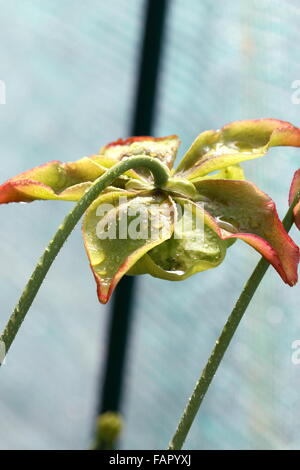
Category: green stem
[222,344]
[160,174]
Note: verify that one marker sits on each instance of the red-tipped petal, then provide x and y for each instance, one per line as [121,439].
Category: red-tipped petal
[53,180]
[111,254]
[242,211]
[163,148]
[234,143]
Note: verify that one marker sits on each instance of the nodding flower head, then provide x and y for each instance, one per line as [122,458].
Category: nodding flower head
[184,227]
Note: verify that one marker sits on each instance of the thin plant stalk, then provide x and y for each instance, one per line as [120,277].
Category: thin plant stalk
[160,174]
[222,344]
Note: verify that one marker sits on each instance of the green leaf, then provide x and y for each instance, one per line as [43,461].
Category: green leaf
[233,172]
[116,236]
[53,180]
[234,143]
[163,148]
[193,247]
[63,181]
[241,210]
[181,187]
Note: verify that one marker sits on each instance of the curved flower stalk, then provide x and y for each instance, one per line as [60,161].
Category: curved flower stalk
[185,225]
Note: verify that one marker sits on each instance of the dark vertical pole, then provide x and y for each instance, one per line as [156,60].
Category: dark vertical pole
[149,67]
[123,299]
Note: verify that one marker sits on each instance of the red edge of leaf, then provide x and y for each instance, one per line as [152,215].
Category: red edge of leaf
[104,298]
[9,191]
[277,126]
[131,140]
[266,250]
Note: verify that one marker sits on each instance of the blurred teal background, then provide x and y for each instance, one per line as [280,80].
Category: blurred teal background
[70,71]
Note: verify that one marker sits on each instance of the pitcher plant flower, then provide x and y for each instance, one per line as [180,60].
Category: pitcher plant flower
[208,185]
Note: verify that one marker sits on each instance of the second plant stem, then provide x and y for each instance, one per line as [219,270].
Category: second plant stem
[222,344]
